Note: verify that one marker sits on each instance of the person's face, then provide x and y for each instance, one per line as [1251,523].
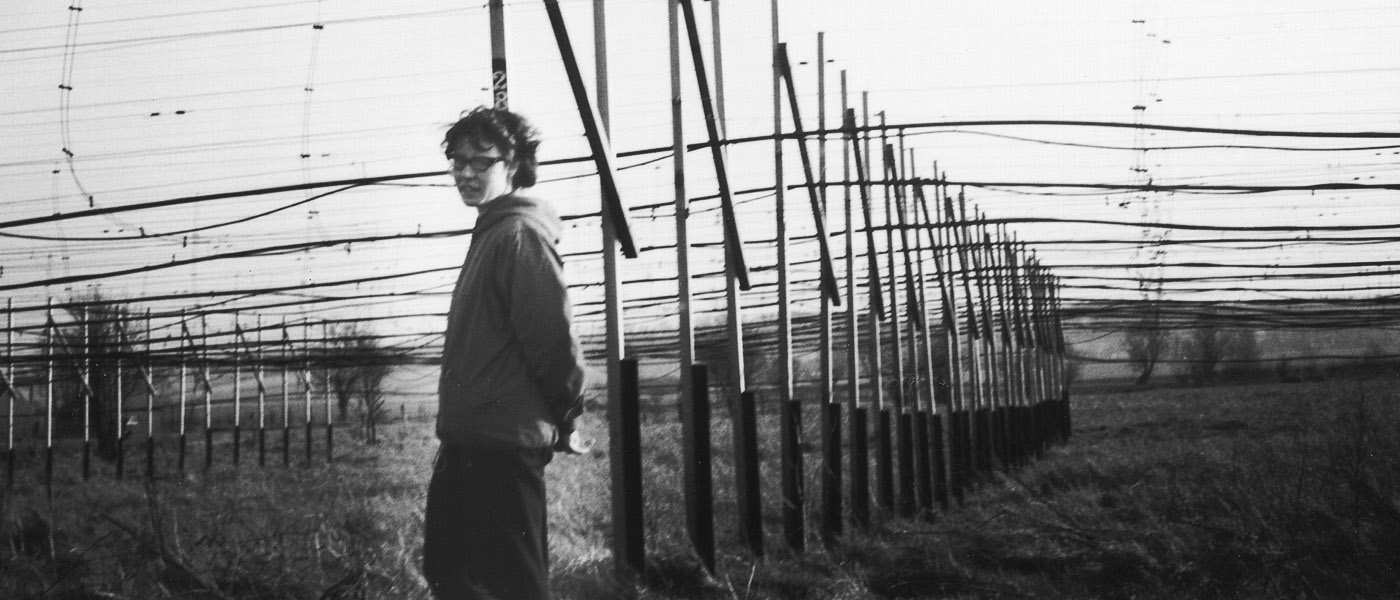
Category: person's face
[481,174]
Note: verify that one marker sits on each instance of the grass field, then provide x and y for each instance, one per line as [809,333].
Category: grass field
[1261,491]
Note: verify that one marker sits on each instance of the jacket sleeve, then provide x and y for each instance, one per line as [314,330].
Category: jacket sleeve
[541,318]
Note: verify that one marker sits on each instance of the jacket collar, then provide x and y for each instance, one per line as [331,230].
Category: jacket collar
[542,215]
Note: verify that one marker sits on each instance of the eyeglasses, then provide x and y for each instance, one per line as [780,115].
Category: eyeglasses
[478,164]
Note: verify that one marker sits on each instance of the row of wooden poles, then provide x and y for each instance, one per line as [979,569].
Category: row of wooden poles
[996,398]
[73,352]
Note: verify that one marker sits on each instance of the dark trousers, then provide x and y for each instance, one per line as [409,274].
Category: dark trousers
[484,529]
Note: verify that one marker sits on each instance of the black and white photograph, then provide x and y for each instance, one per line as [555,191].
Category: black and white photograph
[711,299]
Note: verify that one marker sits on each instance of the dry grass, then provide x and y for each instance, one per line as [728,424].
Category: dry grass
[1268,491]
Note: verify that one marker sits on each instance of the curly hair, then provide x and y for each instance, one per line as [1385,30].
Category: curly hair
[506,131]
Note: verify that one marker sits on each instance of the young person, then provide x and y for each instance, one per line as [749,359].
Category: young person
[512,374]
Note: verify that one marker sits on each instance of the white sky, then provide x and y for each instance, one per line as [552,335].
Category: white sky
[387,77]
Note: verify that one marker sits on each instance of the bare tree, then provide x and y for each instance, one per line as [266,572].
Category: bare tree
[100,344]
[358,367]
[1207,345]
[1145,342]
[1203,348]
[344,379]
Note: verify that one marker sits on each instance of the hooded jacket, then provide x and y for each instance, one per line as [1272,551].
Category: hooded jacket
[512,373]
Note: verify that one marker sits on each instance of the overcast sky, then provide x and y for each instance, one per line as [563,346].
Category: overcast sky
[158,101]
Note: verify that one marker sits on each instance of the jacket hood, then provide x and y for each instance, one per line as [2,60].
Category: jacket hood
[533,209]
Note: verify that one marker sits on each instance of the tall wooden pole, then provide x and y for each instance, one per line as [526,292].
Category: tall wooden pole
[952,387]
[326,390]
[695,415]
[923,490]
[118,426]
[499,89]
[967,435]
[50,333]
[262,396]
[628,550]
[237,389]
[209,394]
[936,386]
[884,455]
[86,349]
[857,417]
[735,263]
[306,383]
[905,448]
[10,391]
[742,405]
[790,409]
[286,401]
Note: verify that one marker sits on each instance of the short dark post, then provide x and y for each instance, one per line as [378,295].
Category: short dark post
[631,460]
[746,442]
[860,467]
[907,502]
[962,472]
[831,472]
[151,455]
[940,458]
[884,461]
[700,521]
[121,454]
[794,530]
[923,468]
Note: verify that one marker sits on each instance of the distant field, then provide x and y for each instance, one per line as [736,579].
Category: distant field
[1263,491]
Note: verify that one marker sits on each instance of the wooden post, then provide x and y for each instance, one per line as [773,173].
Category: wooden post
[150,400]
[306,384]
[262,397]
[905,425]
[496,15]
[884,433]
[700,520]
[735,263]
[86,373]
[945,440]
[978,427]
[814,198]
[830,431]
[913,282]
[118,426]
[237,389]
[789,409]
[593,127]
[628,556]
[629,459]
[10,391]
[935,384]
[186,347]
[286,401]
[326,390]
[965,435]
[856,438]
[50,333]
[746,491]
[208,395]
[694,379]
